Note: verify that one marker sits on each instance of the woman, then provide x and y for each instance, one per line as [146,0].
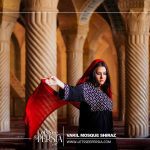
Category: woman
[94,94]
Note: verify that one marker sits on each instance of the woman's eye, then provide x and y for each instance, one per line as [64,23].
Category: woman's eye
[99,73]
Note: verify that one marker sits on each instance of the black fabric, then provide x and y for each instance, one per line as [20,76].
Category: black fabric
[100,122]
[75,93]
[91,122]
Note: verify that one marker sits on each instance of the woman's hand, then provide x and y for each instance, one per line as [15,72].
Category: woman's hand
[53,81]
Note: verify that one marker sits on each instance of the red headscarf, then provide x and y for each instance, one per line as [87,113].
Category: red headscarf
[90,69]
[44,101]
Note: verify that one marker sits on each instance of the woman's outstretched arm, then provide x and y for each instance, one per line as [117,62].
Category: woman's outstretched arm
[66,92]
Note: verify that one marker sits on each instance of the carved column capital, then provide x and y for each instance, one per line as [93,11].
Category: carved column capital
[126,5]
[11,10]
[146,5]
[5,32]
[138,23]
[10,17]
[11,5]
[41,5]
[76,38]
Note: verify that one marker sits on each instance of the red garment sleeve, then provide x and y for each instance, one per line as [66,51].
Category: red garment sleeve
[40,105]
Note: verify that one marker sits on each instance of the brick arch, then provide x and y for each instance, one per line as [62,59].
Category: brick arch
[84,7]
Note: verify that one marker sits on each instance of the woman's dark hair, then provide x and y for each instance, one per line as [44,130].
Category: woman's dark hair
[92,78]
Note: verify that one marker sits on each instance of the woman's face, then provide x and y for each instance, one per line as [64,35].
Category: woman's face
[101,75]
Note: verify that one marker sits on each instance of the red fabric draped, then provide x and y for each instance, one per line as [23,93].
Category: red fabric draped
[41,103]
[44,101]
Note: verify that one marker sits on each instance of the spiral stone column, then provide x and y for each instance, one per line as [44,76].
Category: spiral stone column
[6,28]
[41,54]
[137,75]
[75,66]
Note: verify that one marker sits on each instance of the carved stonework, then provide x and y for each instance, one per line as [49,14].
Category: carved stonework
[11,4]
[138,23]
[126,5]
[75,45]
[147,5]
[41,54]
[8,21]
[82,31]
[5,35]
[137,86]
[12,9]
[42,5]
[86,10]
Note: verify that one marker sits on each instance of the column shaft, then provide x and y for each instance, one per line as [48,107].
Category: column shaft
[137,76]
[7,24]
[41,54]
[75,66]
[74,71]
